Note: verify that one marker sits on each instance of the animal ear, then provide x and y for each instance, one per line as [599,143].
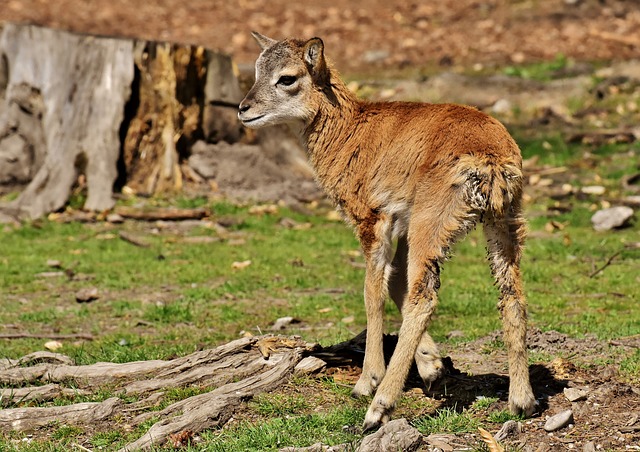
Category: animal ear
[262,40]
[314,58]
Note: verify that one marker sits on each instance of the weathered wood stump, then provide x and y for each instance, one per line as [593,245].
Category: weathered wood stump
[113,111]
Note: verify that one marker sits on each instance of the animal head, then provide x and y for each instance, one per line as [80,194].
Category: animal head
[292,79]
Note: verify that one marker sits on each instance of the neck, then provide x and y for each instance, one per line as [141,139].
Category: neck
[335,114]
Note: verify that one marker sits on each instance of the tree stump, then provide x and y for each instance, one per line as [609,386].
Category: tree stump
[115,111]
[63,102]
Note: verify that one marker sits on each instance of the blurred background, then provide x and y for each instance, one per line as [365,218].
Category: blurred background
[365,35]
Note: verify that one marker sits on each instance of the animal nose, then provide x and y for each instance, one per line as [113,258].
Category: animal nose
[244,107]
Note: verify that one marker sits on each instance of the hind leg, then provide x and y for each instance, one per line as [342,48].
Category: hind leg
[505,239]
[440,215]
[427,356]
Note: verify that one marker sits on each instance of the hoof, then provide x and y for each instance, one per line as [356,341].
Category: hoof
[377,415]
[365,386]
[370,427]
[525,406]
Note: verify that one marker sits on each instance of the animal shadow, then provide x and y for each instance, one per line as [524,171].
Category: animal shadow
[455,389]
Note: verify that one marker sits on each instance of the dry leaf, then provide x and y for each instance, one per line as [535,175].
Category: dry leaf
[262,209]
[490,441]
[241,265]
[270,344]
[553,225]
[324,310]
[181,439]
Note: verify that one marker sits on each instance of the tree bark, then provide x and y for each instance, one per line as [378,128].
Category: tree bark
[117,112]
[74,89]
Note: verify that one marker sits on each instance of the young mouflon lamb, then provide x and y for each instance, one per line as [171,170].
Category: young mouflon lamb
[424,174]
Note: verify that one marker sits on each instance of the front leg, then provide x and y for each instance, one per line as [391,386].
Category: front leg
[375,238]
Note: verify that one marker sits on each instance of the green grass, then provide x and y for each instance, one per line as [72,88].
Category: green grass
[175,297]
[446,420]
[543,71]
[278,432]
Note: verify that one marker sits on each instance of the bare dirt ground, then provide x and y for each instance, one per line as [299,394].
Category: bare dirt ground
[372,35]
[367,34]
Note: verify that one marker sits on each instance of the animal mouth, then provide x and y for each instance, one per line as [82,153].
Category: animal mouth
[252,119]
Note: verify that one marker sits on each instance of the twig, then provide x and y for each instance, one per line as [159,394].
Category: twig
[81,447]
[631,246]
[86,336]
[133,240]
[160,213]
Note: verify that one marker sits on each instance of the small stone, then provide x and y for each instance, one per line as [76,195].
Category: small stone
[589,447]
[54,263]
[502,106]
[282,323]
[115,218]
[575,394]
[397,434]
[87,295]
[559,421]
[614,217]
[593,190]
[53,345]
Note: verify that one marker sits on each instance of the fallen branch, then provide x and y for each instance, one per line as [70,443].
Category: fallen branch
[214,408]
[162,213]
[21,419]
[238,370]
[57,337]
[36,394]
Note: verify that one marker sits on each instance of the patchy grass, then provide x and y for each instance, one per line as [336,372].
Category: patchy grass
[177,296]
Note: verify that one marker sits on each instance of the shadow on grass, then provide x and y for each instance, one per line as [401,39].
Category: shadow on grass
[456,389]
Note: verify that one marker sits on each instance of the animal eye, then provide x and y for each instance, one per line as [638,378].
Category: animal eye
[287,80]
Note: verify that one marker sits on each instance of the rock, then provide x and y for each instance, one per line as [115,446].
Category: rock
[115,218]
[575,394]
[395,435]
[454,334]
[509,428]
[282,323]
[559,421]
[593,190]
[309,365]
[589,447]
[502,106]
[54,263]
[613,217]
[53,345]
[633,200]
[87,295]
